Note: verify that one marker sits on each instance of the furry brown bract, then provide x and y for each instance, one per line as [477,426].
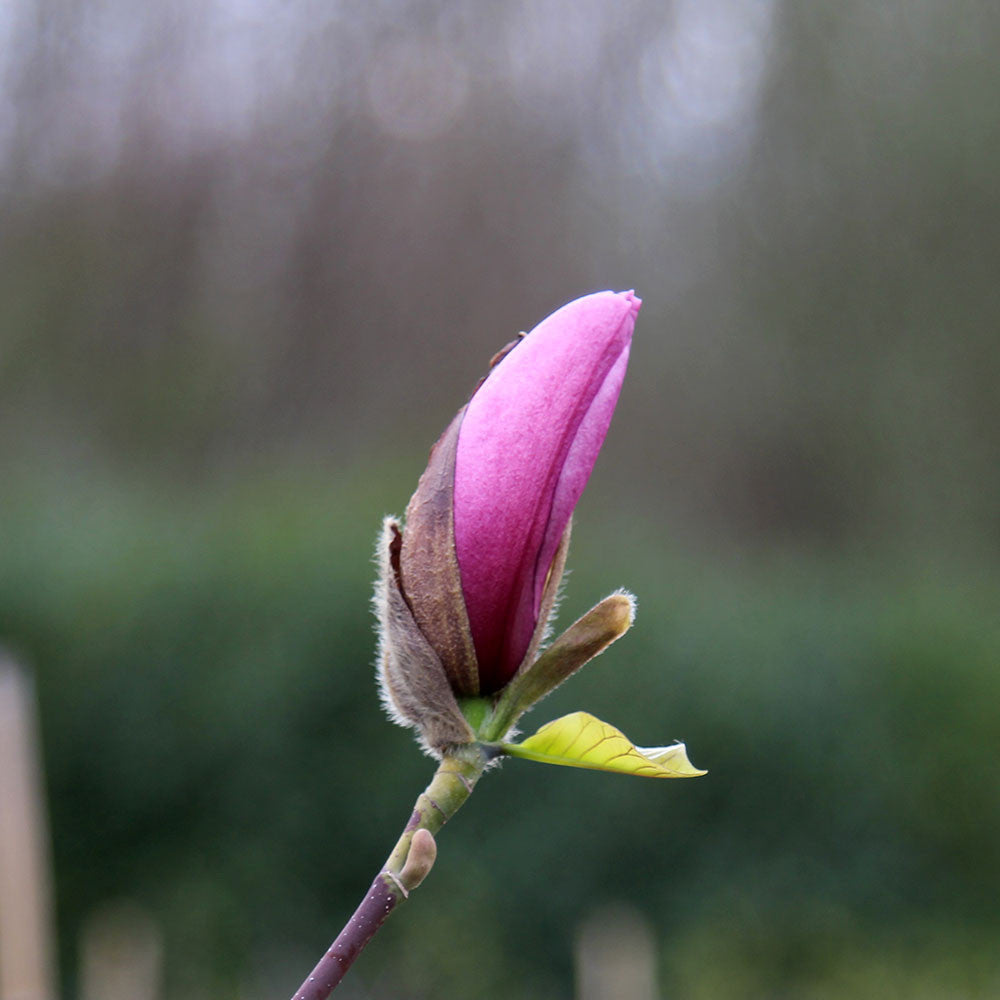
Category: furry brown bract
[414,686]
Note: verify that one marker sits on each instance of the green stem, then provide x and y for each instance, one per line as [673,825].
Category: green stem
[451,785]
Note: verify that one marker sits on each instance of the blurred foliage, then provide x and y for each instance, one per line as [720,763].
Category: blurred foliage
[215,750]
[232,231]
[254,254]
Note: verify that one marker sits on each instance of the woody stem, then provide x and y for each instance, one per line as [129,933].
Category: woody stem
[451,785]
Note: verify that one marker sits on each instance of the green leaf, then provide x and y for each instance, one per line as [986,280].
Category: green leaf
[581,740]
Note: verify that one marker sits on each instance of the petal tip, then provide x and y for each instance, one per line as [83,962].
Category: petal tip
[635,303]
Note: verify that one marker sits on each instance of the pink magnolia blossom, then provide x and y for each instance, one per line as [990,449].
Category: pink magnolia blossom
[467,586]
[526,447]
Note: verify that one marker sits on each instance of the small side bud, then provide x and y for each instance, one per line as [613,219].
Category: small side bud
[419,861]
[581,642]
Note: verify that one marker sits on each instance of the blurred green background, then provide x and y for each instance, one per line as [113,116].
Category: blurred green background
[253,257]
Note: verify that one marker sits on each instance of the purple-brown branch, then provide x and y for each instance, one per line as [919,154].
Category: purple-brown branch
[405,868]
[358,931]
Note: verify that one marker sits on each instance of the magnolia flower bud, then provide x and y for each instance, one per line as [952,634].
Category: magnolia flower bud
[467,588]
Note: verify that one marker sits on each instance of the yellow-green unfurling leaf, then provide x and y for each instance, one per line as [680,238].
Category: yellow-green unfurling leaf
[581,740]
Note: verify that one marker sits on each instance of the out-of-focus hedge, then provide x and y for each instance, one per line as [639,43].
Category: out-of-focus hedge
[215,750]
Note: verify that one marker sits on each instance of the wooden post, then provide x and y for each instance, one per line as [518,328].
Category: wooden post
[26,935]
[616,957]
[121,954]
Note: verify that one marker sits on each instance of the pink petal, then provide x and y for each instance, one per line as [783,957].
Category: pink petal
[526,449]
